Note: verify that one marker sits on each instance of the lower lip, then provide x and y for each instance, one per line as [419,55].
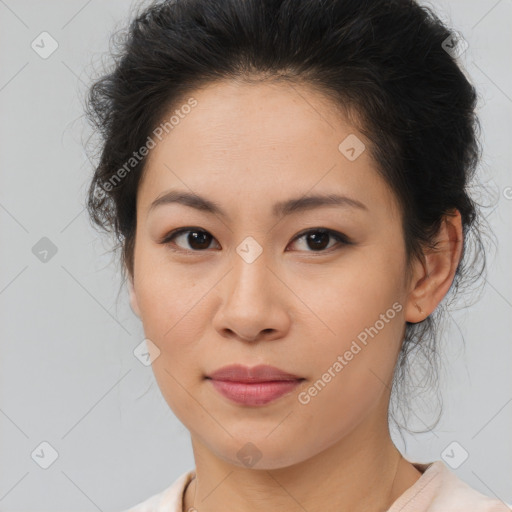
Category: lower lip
[258,393]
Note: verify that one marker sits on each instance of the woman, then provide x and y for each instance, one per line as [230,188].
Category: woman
[288,182]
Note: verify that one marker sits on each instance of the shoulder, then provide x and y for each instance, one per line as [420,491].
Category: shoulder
[440,490]
[168,500]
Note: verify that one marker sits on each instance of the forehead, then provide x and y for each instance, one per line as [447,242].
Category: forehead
[251,142]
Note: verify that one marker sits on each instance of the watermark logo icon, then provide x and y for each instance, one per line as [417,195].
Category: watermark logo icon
[146,352]
[44,455]
[44,250]
[454,455]
[249,454]
[44,45]
[249,250]
[352,147]
[455,44]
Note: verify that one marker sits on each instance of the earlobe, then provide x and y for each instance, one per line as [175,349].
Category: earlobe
[434,275]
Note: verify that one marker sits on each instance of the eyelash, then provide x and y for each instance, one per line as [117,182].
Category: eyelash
[339,237]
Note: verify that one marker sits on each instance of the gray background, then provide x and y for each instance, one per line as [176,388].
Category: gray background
[68,375]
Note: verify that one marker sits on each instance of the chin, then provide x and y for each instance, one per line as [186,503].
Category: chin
[260,452]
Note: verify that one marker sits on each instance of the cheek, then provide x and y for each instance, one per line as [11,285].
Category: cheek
[164,292]
[355,292]
[170,304]
[352,371]
[363,308]
[171,308]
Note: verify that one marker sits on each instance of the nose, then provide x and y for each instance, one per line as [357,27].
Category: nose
[254,302]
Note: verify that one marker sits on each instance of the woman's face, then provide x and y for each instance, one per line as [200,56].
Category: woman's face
[258,284]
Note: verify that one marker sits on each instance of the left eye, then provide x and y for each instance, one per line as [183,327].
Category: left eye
[198,239]
[316,238]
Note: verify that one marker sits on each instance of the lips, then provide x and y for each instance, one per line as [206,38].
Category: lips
[254,386]
[261,373]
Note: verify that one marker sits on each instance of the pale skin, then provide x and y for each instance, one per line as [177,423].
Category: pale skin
[247,147]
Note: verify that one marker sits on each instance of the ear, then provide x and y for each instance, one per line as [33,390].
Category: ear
[433,276]
[133,298]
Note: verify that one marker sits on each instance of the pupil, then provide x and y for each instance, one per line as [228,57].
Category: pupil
[317,237]
[200,236]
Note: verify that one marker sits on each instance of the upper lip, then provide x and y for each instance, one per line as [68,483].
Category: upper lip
[260,373]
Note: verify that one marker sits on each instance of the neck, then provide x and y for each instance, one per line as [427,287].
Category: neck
[362,472]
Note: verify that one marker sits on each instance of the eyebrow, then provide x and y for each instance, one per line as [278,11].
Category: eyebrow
[283,208]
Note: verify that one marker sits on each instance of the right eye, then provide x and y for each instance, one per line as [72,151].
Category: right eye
[198,239]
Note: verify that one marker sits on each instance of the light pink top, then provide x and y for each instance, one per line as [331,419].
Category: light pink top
[437,490]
